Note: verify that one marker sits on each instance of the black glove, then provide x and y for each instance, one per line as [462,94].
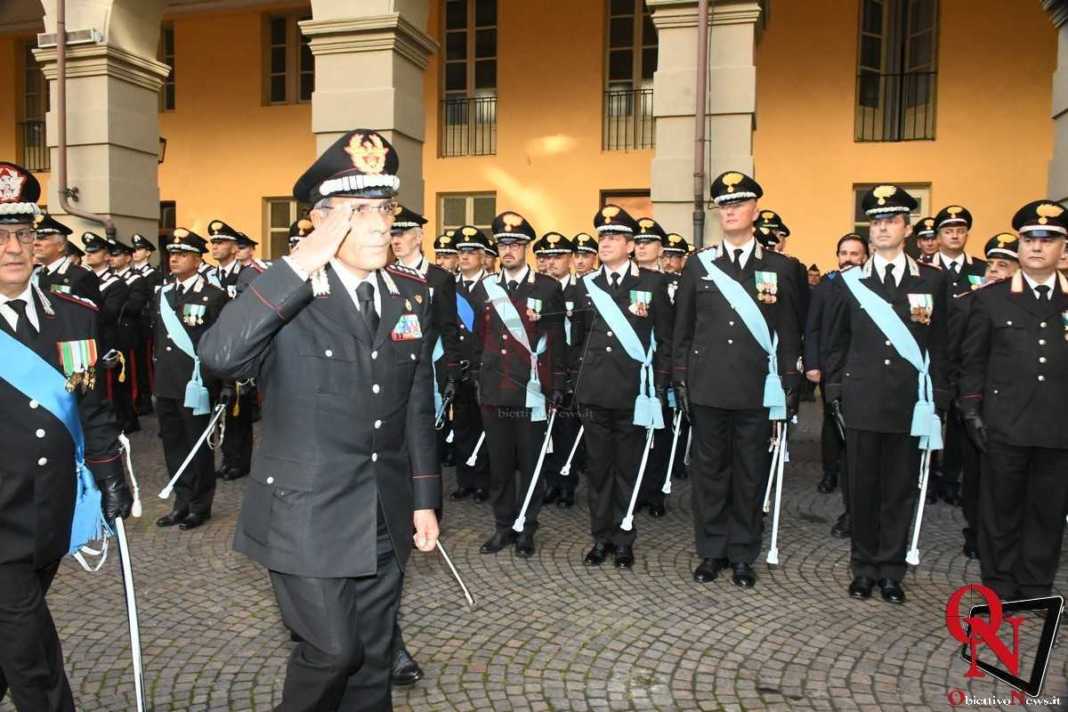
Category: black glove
[115,498]
[682,398]
[226,395]
[556,398]
[976,429]
[839,419]
[793,403]
[450,390]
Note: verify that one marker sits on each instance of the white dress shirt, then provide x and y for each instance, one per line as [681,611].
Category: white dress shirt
[949,262]
[1050,282]
[351,282]
[900,265]
[747,250]
[31,309]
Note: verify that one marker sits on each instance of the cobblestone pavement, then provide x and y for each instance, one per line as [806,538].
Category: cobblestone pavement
[547,634]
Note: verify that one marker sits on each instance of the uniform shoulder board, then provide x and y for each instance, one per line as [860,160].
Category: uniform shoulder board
[706,249]
[402,271]
[930,265]
[846,269]
[74,299]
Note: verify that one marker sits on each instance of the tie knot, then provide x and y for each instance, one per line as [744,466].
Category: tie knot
[1042,289]
[366,292]
[512,284]
[18,306]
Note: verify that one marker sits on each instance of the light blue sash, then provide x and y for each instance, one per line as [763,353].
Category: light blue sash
[648,412]
[439,351]
[196,395]
[926,424]
[512,321]
[465,311]
[743,303]
[36,379]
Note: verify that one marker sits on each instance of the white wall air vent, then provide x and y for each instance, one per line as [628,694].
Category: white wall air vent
[47,40]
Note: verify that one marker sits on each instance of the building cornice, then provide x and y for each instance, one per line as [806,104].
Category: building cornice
[370,34]
[105,60]
[674,14]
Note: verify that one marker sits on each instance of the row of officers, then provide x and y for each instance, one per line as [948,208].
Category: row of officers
[643,355]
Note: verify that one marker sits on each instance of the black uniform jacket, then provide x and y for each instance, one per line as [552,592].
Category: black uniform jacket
[468,348]
[877,386]
[348,420]
[442,286]
[818,322]
[602,372]
[37,477]
[1014,363]
[139,296]
[971,273]
[713,351]
[69,278]
[505,364]
[173,367]
[113,295]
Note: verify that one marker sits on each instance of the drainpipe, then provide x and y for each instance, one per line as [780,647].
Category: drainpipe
[67,194]
[699,126]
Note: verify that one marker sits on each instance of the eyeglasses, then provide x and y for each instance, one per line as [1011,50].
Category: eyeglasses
[366,209]
[25,236]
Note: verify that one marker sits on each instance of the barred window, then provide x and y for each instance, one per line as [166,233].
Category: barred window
[289,65]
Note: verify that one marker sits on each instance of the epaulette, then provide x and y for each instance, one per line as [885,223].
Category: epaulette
[706,249]
[845,269]
[931,265]
[80,301]
[402,271]
[979,287]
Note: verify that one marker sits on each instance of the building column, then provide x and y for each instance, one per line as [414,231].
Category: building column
[731,104]
[1058,165]
[113,82]
[369,62]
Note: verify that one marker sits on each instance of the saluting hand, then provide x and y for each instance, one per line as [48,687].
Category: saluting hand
[426,529]
[320,246]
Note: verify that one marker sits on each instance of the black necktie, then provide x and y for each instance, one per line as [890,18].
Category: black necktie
[365,293]
[888,277]
[1042,289]
[954,268]
[23,329]
[615,281]
[512,286]
[738,258]
[467,284]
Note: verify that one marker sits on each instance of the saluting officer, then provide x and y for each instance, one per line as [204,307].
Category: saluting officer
[57,271]
[50,357]
[138,296]
[886,374]
[522,356]
[330,510]
[471,480]
[555,250]
[736,309]
[1002,261]
[1014,384]
[142,254]
[620,368]
[183,310]
[962,273]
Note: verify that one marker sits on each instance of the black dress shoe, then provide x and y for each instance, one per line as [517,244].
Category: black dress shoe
[480,495]
[744,575]
[552,495]
[843,528]
[567,499]
[524,546]
[657,510]
[406,672]
[892,591]
[828,484]
[861,587]
[597,555]
[498,541]
[169,520]
[708,570]
[624,557]
[461,493]
[193,521]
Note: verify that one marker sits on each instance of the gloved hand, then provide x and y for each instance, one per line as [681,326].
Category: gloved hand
[449,393]
[116,500]
[556,398]
[226,395]
[976,429]
[793,403]
[682,398]
[839,418]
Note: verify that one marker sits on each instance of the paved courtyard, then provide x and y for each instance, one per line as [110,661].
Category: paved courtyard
[548,633]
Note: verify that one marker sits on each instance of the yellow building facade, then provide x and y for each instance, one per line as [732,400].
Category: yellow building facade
[985,139]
